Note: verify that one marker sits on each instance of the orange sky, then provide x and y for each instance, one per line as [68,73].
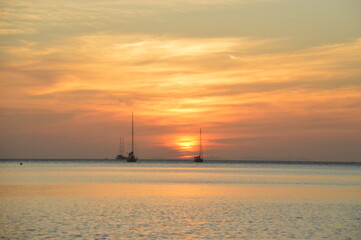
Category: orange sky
[70,80]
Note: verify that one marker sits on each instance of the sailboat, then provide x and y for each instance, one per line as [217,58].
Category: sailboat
[131,156]
[199,158]
[121,156]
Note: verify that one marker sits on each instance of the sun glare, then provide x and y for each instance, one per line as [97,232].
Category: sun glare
[186,143]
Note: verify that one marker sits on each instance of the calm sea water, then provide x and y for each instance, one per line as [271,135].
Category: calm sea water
[182,200]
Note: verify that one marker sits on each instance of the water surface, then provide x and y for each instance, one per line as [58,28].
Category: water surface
[183,200]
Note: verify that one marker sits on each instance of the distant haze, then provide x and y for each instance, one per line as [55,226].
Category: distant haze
[264,79]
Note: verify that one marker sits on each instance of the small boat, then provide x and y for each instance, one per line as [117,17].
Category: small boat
[121,156]
[199,158]
[131,156]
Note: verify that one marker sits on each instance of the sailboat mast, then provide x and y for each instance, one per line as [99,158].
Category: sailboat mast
[200,143]
[123,148]
[132,133]
[120,145]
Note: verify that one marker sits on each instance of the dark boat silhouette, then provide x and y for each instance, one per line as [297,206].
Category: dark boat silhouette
[131,156]
[121,156]
[199,158]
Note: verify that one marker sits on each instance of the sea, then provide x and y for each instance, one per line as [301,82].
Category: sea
[179,199]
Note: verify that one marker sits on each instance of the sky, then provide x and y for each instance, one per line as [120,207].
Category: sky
[264,79]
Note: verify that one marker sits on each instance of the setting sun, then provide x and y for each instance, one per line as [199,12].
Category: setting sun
[186,143]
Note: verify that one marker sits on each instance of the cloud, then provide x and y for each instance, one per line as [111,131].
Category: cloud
[66,17]
[161,68]
[176,84]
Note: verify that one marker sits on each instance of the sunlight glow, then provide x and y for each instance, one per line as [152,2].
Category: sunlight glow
[247,93]
[186,143]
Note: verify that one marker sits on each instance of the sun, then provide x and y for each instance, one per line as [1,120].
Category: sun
[186,143]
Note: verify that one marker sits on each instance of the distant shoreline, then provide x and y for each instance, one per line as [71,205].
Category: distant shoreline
[185,161]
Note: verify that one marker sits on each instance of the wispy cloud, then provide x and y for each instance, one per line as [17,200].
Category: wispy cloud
[224,84]
[41,16]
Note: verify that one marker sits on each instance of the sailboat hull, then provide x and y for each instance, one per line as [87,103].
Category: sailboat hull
[131,157]
[121,157]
